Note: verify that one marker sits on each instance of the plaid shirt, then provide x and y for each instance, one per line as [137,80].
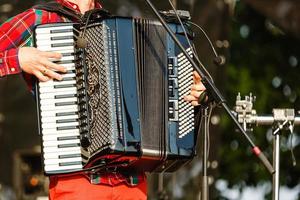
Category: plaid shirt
[18,32]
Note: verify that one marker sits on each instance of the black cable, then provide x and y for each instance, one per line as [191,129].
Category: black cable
[206,36]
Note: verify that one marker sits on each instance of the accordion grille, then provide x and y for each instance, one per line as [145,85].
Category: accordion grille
[185,80]
[98,90]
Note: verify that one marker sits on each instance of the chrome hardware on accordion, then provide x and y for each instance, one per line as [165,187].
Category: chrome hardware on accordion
[121,100]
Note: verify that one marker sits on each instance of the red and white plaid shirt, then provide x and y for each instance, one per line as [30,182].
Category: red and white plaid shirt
[17,32]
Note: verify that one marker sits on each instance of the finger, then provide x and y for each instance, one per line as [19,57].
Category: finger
[51,54]
[196,93]
[198,87]
[41,76]
[50,65]
[196,77]
[195,103]
[190,98]
[53,75]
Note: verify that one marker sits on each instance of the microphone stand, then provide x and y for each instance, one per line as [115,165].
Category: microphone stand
[281,119]
[205,186]
[213,91]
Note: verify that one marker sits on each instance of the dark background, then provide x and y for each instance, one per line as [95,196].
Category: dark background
[260,40]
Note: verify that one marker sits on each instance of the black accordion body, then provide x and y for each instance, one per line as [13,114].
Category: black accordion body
[121,101]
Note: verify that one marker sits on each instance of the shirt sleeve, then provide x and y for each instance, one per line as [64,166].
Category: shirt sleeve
[14,33]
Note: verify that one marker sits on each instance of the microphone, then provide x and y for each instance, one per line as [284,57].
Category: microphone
[81,42]
[220,60]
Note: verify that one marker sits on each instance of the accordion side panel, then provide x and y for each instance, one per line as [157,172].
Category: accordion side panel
[186,123]
[128,84]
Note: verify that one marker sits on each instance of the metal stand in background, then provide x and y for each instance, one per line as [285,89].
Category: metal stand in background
[162,194]
[204,191]
[276,165]
[282,119]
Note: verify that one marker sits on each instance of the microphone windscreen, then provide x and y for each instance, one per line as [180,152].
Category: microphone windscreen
[81,42]
[220,60]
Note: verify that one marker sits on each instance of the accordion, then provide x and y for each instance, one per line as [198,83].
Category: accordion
[121,101]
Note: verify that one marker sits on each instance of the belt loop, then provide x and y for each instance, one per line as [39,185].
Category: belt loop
[133,180]
[95,178]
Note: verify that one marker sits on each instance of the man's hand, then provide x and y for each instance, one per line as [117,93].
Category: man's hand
[36,62]
[196,90]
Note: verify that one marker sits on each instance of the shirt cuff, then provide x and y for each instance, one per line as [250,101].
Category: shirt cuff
[9,62]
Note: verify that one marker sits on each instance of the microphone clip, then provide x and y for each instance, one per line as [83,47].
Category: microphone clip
[170,16]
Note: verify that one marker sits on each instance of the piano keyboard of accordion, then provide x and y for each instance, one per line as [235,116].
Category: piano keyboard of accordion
[121,100]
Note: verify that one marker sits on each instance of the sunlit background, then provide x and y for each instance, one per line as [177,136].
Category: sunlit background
[260,40]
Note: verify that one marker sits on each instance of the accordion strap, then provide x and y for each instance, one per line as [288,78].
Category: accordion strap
[69,13]
[59,9]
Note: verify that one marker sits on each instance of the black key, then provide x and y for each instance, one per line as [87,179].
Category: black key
[67,54]
[70,163]
[63,44]
[68,138]
[62,37]
[60,121]
[69,156]
[66,128]
[71,71]
[68,145]
[66,103]
[61,31]
[65,114]
[65,79]
[64,96]
[61,62]
[64,86]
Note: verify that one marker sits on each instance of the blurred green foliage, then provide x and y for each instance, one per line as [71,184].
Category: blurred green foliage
[265,61]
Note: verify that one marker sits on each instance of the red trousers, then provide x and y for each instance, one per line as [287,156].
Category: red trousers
[78,187]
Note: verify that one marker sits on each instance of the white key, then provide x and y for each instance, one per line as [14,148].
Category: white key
[48,43]
[54,137]
[69,65]
[54,125]
[56,149]
[56,49]
[64,58]
[52,83]
[46,102]
[58,108]
[67,51]
[57,161]
[68,75]
[54,131]
[54,119]
[46,36]
[47,30]
[57,154]
[51,90]
[60,142]
[52,95]
[53,113]
[53,168]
